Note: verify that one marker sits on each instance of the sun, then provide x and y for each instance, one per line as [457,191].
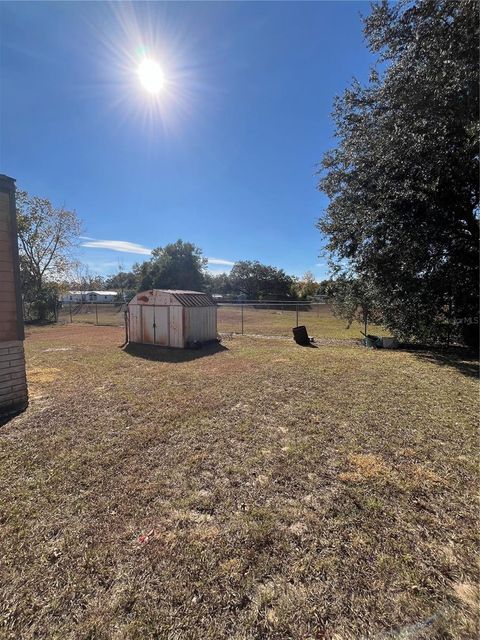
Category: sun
[151,76]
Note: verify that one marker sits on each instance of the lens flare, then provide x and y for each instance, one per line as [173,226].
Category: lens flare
[151,76]
[148,73]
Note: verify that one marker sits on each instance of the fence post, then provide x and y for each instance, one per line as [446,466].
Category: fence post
[242,317]
[297,313]
[70,307]
[96,313]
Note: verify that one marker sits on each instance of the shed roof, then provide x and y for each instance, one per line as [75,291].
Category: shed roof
[85,293]
[188,298]
[193,298]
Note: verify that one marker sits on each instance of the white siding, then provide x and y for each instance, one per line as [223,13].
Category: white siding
[200,323]
[162,328]
[176,327]
[134,324]
[162,298]
[146,313]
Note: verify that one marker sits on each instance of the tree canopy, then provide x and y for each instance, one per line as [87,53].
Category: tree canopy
[123,281]
[218,283]
[259,281]
[179,265]
[306,286]
[403,179]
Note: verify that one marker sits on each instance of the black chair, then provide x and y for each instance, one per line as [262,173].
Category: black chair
[300,335]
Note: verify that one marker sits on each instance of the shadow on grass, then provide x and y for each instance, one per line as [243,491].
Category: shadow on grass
[463,360]
[165,354]
[4,419]
[310,345]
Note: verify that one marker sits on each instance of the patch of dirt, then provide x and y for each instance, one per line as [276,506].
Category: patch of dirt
[366,467]
[42,375]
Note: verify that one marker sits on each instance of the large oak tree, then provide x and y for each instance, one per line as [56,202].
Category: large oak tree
[403,179]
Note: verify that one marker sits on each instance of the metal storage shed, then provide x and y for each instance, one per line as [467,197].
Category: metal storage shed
[171,318]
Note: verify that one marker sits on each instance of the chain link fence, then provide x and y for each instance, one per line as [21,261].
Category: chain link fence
[279,318]
[248,318]
[101,314]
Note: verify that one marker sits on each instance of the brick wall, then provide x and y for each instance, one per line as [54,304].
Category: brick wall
[13,388]
[13,385]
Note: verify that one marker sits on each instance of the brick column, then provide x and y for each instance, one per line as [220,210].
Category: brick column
[13,385]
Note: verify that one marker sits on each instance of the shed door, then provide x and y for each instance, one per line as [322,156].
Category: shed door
[147,324]
[161,325]
[155,325]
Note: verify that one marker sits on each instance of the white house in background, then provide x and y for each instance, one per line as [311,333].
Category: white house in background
[89,296]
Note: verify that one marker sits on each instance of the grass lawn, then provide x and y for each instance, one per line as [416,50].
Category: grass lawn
[259,490]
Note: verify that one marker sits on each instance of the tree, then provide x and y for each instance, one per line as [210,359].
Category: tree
[325,287]
[307,286]
[179,265]
[218,283]
[403,180]
[259,281]
[83,280]
[122,281]
[353,299]
[47,236]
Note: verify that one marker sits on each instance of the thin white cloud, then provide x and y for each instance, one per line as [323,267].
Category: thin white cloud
[118,245]
[132,247]
[220,261]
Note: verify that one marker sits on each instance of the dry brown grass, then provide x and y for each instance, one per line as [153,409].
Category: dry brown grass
[262,490]
[320,322]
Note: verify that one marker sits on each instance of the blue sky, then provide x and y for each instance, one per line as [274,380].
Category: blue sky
[224,156]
